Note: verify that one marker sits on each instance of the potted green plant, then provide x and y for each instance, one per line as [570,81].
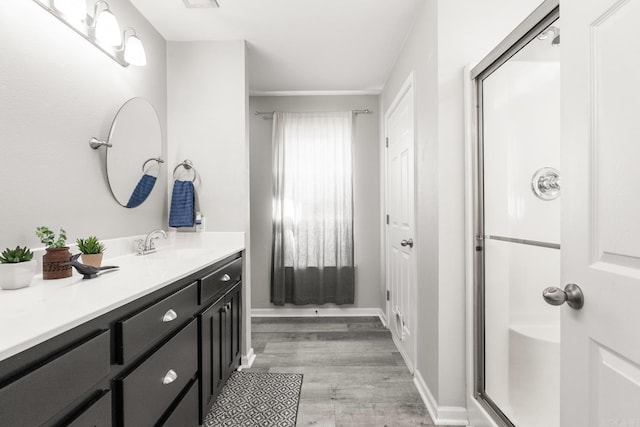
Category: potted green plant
[91,250]
[55,262]
[17,268]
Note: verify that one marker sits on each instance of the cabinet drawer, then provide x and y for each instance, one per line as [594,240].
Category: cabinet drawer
[140,331]
[147,392]
[217,282]
[186,413]
[96,415]
[38,395]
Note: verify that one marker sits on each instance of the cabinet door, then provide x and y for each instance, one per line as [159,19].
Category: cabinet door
[212,323]
[234,329]
[221,334]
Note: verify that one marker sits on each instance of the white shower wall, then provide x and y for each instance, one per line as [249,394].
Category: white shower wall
[522,135]
[521,118]
[515,276]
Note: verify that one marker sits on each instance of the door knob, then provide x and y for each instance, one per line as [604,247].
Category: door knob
[407,243]
[572,294]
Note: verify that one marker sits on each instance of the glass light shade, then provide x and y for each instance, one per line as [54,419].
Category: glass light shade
[72,9]
[134,51]
[107,28]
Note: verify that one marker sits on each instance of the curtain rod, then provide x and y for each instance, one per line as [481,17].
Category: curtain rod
[270,113]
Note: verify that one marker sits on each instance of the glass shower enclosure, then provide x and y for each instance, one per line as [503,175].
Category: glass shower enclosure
[517,227]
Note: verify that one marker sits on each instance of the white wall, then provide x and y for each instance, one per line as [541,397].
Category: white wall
[447,36]
[207,100]
[56,92]
[368,287]
[420,55]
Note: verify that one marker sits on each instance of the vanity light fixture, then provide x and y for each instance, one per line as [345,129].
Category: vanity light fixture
[101,29]
[132,48]
[105,25]
[75,10]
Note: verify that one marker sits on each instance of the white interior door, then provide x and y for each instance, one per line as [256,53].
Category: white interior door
[601,212]
[401,249]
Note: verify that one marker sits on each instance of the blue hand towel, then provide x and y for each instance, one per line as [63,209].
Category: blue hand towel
[142,190]
[182,204]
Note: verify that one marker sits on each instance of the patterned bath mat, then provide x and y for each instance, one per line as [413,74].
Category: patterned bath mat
[257,399]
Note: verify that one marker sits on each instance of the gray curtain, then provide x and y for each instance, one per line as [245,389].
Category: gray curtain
[312,252]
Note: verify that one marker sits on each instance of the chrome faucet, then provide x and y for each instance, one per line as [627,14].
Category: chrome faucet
[147,246]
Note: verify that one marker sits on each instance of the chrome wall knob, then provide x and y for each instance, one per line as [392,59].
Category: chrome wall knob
[572,295]
[545,184]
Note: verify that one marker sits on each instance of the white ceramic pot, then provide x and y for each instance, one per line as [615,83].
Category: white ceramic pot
[17,275]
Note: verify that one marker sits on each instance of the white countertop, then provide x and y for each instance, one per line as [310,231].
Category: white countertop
[47,308]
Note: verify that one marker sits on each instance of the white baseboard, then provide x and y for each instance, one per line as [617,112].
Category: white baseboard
[441,415]
[383,318]
[401,350]
[247,360]
[478,416]
[319,312]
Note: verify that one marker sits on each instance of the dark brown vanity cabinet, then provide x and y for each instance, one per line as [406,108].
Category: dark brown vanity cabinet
[220,331]
[141,330]
[233,329]
[186,413]
[216,284]
[53,383]
[97,413]
[145,393]
[157,361]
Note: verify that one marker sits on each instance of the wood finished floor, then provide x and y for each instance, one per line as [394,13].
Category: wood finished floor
[353,373]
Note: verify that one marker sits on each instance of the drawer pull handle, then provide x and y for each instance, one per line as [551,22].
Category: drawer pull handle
[225,278]
[169,316]
[170,377]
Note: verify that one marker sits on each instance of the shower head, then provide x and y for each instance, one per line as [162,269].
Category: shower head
[556,40]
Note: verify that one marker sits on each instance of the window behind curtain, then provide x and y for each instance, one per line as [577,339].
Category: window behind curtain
[313,209]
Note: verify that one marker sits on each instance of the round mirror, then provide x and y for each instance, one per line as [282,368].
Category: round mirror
[133,156]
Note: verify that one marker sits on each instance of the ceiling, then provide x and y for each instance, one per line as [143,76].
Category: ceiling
[298,45]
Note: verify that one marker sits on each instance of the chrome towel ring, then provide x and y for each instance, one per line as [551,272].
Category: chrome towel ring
[153,159]
[188,165]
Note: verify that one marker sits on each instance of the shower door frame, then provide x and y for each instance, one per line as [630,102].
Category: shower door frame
[539,19]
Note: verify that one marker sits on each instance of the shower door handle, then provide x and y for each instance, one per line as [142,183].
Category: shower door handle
[407,243]
[572,295]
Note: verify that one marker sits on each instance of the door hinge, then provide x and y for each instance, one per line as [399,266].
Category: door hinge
[388,296]
[387,219]
[386,142]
